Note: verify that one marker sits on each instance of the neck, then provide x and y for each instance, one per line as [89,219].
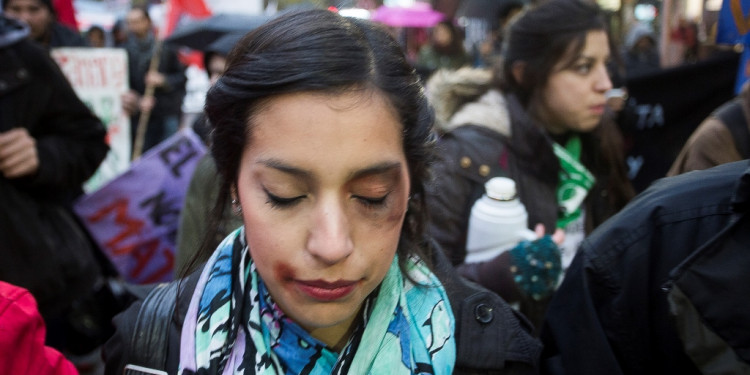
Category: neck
[540,116]
[336,337]
[560,138]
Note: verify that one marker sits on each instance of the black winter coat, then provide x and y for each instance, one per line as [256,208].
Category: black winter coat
[70,145]
[491,338]
[35,94]
[474,152]
[662,286]
[168,97]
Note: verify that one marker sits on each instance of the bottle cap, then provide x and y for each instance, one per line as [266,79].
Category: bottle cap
[501,188]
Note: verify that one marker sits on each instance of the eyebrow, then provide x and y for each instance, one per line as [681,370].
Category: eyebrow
[380,168]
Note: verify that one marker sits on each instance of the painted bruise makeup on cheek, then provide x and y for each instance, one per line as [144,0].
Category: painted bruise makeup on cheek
[326,291]
[283,272]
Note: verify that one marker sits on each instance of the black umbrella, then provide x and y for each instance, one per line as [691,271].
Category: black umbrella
[200,34]
[488,10]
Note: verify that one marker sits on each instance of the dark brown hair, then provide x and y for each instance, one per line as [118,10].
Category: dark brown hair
[320,51]
[541,37]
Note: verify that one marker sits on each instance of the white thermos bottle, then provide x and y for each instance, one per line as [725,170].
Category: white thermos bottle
[498,221]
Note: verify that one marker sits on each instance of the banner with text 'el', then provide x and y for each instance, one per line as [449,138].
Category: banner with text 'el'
[134,217]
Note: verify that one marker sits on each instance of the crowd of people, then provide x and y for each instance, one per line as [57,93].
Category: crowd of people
[326,229]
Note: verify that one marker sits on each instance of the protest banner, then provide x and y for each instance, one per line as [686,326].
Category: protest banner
[134,217]
[100,76]
[661,113]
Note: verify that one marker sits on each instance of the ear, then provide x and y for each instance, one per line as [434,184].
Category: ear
[517,69]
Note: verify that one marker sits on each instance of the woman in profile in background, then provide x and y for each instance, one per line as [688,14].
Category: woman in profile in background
[541,120]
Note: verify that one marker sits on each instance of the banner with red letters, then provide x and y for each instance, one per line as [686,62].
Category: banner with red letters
[134,217]
[100,76]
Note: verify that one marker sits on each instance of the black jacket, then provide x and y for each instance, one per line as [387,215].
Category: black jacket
[35,94]
[70,145]
[168,97]
[631,301]
[494,136]
[491,338]
[474,152]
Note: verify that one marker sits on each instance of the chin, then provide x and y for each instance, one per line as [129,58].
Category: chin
[589,126]
[313,319]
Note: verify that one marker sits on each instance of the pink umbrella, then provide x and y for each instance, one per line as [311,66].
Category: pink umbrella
[418,15]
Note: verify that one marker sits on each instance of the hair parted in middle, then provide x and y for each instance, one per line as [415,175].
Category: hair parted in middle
[318,51]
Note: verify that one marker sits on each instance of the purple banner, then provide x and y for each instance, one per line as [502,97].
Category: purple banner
[134,217]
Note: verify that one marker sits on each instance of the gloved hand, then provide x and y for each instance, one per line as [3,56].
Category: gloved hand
[536,266]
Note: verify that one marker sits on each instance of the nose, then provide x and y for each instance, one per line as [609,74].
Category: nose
[603,83]
[329,239]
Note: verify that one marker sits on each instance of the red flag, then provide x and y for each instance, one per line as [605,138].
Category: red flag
[177,8]
[66,14]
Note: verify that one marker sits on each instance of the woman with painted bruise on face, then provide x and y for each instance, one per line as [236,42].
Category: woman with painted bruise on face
[541,120]
[326,161]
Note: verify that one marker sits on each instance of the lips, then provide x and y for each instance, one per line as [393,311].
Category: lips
[599,109]
[326,291]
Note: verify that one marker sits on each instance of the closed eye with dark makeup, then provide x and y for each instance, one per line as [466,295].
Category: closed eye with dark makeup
[370,187]
[370,202]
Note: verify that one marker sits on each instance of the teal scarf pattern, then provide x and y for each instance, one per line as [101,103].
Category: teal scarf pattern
[233,325]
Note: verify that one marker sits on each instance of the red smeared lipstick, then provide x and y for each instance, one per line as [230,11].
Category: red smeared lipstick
[598,109]
[326,291]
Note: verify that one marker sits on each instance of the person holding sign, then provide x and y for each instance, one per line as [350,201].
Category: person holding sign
[543,122]
[152,64]
[326,161]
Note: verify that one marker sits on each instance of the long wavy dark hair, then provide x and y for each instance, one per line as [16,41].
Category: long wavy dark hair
[543,36]
[320,51]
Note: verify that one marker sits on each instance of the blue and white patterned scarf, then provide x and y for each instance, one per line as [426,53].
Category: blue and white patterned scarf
[233,326]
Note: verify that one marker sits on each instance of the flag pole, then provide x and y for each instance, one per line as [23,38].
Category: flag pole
[142,127]
[174,7]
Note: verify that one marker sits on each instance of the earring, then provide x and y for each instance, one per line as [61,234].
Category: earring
[236,206]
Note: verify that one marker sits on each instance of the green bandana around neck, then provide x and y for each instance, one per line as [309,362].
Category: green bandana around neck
[575,181]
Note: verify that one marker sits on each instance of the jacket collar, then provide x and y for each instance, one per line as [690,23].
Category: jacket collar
[490,111]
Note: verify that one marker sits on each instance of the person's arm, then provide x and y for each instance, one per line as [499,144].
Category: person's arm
[449,202]
[70,139]
[710,144]
[173,71]
[450,197]
[22,335]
